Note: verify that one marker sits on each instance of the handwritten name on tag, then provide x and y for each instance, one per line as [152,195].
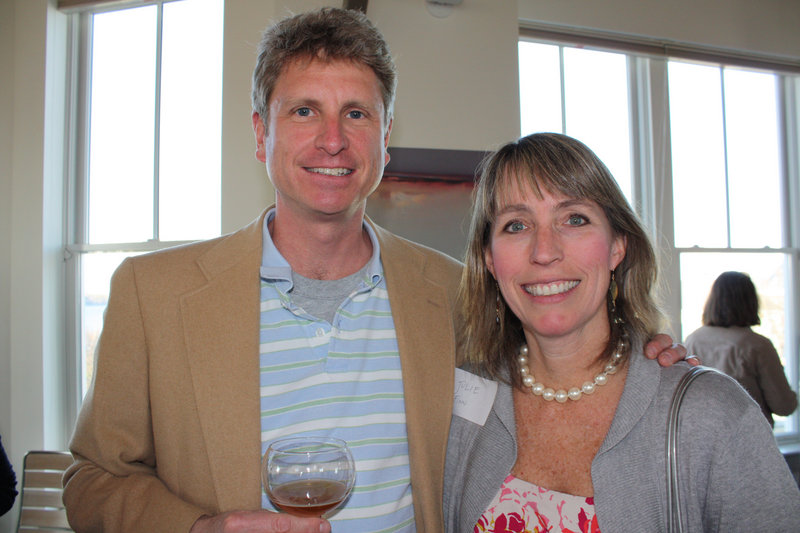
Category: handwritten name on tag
[473,397]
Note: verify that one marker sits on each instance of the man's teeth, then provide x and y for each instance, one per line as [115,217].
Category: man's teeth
[550,289]
[331,171]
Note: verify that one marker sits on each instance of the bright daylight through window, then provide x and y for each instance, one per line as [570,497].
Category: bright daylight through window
[153,83]
[727,202]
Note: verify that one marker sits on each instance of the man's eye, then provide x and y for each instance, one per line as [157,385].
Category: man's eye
[355,114]
[303,112]
[577,220]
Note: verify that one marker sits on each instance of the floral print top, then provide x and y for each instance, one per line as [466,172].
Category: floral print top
[522,507]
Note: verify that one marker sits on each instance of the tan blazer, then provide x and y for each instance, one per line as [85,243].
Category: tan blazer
[170,429]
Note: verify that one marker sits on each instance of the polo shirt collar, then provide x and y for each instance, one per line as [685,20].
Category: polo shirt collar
[276,269]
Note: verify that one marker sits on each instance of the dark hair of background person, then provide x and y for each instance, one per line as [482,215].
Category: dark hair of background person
[8,482]
[732,302]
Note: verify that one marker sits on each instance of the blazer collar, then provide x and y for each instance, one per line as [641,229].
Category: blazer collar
[423,320]
[221,325]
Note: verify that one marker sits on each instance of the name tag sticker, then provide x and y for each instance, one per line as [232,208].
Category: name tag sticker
[473,397]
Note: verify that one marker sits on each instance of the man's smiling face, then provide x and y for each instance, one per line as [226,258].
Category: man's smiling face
[325,142]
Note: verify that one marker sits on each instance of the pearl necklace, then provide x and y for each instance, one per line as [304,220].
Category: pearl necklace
[574,393]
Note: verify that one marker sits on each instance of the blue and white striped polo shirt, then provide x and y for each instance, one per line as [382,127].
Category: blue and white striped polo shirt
[341,380]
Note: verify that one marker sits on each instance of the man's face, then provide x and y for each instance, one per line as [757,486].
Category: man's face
[325,143]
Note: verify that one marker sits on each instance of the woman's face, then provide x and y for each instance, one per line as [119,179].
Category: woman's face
[552,258]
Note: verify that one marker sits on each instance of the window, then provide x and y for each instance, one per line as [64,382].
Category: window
[581,93]
[727,188]
[721,195]
[147,130]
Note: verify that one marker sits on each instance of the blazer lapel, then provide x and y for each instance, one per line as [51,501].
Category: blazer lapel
[221,321]
[424,325]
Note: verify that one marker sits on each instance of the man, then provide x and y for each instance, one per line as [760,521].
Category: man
[348,331]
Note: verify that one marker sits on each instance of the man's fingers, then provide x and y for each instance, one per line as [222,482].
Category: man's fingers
[693,360]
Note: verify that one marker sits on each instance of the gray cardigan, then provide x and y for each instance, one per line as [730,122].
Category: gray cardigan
[732,475]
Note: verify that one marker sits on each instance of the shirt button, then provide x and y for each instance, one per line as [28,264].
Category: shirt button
[320,332]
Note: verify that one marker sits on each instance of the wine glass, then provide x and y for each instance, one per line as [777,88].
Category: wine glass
[308,476]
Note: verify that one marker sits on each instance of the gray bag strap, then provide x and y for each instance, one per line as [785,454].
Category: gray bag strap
[674,524]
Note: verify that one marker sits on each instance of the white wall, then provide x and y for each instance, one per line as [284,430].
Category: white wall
[763,27]
[23,66]
[6,92]
[457,90]
[457,85]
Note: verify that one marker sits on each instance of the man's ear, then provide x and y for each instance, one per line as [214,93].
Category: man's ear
[386,141]
[260,132]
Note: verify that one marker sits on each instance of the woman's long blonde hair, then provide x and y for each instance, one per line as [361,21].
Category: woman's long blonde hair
[490,334]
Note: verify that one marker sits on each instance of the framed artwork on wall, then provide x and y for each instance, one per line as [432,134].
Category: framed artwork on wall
[426,196]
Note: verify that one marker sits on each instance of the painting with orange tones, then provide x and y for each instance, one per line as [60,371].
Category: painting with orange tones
[426,196]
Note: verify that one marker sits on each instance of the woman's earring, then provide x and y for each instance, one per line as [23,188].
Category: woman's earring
[613,291]
[497,303]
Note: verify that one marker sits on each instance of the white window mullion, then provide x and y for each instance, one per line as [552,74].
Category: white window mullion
[74,164]
[157,121]
[562,77]
[789,89]
[789,118]
[77,201]
[654,188]
[792,341]
[641,127]
[725,153]
[81,73]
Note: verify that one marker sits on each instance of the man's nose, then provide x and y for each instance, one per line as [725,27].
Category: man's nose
[332,137]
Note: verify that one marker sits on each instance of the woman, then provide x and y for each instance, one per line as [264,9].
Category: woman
[726,342]
[557,301]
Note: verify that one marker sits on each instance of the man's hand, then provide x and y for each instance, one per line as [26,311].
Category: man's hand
[662,348]
[259,522]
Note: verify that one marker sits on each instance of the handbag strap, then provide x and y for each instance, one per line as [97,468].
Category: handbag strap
[674,524]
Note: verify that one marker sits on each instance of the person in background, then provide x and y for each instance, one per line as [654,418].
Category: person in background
[560,423]
[726,342]
[311,320]
[8,482]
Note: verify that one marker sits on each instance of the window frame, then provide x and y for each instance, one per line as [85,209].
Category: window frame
[652,190]
[76,197]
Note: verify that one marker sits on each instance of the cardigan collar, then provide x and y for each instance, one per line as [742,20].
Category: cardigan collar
[641,387]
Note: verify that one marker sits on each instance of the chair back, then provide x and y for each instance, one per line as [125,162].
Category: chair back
[41,508]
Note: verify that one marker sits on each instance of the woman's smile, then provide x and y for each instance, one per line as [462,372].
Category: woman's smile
[550,289]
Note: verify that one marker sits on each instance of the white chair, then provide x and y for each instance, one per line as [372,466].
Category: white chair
[41,508]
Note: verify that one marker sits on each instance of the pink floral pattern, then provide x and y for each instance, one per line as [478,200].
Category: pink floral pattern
[522,507]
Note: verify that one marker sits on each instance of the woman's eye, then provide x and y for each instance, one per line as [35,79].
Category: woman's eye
[515,227]
[577,220]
